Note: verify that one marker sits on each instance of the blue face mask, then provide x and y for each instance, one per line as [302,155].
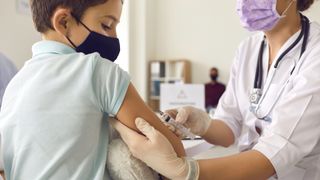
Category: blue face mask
[107,47]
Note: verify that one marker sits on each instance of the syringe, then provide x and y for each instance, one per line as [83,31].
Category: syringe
[185,132]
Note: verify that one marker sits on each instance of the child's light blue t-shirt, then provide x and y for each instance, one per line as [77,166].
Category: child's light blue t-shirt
[51,122]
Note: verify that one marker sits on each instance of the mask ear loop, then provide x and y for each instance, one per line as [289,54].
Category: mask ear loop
[74,46]
[79,21]
[284,14]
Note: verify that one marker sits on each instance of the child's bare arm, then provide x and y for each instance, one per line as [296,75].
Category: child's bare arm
[133,106]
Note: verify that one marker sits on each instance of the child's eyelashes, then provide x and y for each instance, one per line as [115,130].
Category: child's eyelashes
[105,27]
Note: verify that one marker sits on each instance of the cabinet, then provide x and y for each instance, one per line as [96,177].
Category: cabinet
[166,71]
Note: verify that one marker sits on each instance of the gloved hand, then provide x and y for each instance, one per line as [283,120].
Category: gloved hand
[178,133]
[192,118]
[156,151]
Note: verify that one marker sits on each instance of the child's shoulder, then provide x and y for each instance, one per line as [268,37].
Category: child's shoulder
[101,62]
[105,67]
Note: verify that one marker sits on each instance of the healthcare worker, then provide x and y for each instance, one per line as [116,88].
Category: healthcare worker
[271,108]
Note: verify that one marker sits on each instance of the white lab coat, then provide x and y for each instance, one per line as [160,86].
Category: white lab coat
[291,141]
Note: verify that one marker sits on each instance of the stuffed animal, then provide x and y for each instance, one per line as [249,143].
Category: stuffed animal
[122,165]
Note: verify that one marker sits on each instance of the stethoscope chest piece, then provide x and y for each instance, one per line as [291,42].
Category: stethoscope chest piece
[255,95]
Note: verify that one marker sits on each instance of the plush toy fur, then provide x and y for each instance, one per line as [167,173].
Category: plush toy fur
[122,165]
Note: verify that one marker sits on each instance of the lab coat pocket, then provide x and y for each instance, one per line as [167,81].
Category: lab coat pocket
[271,97]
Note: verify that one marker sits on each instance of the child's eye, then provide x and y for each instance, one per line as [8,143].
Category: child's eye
[105,27]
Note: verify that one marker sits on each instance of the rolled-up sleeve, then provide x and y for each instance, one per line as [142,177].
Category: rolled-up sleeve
[294,131]
[228,108]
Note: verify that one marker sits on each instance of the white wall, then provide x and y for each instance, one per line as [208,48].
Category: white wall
[142,41]
[138,46]
[206,32]
[17,33]
[123,35]
[314,11]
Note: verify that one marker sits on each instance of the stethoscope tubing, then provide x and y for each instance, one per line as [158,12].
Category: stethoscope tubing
[305,30]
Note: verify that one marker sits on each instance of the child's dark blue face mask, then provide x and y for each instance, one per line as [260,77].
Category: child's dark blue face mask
[107,47]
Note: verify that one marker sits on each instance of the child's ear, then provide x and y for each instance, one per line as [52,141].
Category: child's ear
[62,20]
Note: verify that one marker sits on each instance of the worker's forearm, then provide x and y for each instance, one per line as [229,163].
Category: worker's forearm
[219,134]
[246,165]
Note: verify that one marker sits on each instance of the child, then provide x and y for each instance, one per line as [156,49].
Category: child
[51,121]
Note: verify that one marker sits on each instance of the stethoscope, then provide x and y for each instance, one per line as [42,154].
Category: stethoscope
[257,96]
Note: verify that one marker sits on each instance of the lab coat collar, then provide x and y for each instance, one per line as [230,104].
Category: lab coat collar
[286,45]
[51,47]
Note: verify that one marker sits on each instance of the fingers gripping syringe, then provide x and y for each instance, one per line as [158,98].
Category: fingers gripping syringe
[185,132]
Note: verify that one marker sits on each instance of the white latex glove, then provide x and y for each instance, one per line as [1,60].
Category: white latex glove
[196,120]
[156,151]
[174,130]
